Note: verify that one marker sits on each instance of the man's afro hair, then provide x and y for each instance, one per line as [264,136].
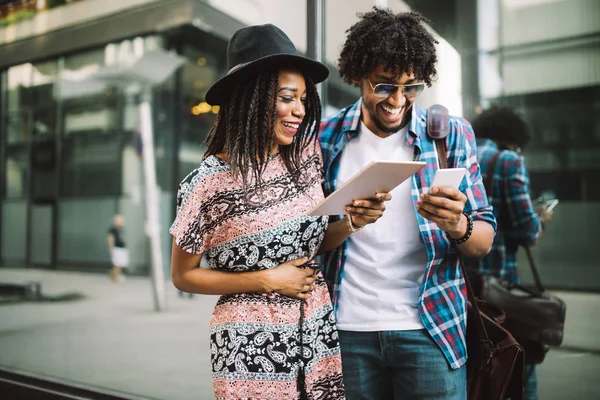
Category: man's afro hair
[397,41]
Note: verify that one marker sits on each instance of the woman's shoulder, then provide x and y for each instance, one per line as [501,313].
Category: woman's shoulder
[312,149]
[211,165]
[201,178]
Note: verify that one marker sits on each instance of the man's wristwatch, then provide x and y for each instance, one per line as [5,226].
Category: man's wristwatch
[351,226]
[467,234]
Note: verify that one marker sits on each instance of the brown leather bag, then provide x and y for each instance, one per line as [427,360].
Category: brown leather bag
[534,317]
[495,359]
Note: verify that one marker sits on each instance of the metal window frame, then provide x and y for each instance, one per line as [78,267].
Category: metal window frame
[3,107]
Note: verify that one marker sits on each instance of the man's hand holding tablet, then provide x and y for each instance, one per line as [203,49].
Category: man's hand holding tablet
[377,177]
[366,211]
[361,199]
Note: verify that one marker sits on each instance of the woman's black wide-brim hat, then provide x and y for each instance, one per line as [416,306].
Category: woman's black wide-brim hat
[254,48]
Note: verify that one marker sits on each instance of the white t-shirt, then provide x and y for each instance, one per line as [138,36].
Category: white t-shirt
[386,260]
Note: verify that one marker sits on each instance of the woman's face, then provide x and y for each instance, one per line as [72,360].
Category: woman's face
[290,102]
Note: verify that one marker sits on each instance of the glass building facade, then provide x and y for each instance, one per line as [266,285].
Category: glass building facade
[70,146]
[564,163]
[70,160]
[542,58]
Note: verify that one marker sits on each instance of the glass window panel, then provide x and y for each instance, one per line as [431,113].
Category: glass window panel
[18,83]
[44,124]
[164,114]
[17,170]
[592,189]
[91,165]
[43,78]
[82,64]
[90,122]
[83,233]
[14,230]
[89,106]
[43,153]
[41,247]
[82,116]
[18,127]
[197,117]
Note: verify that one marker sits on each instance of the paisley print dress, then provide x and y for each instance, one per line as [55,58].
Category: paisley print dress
[263,346]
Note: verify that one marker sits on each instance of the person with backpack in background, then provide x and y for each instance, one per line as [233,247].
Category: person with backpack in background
[501,136]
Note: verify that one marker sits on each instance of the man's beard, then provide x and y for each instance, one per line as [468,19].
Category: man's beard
[389,129]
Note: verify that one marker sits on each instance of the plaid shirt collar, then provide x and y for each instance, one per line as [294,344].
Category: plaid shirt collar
[351,122]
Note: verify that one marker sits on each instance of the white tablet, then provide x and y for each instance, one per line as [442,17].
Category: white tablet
[377,177]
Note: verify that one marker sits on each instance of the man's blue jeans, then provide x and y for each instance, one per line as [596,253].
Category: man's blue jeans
[398,365]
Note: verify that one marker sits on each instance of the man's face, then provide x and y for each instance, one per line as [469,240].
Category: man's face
[385,116]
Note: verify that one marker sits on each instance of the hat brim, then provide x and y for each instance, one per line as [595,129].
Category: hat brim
[221,89]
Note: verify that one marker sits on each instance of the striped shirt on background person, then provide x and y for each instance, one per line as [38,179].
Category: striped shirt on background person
[518,223]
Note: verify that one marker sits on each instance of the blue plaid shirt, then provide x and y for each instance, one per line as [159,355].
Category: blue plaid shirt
[518,223]
[442,299]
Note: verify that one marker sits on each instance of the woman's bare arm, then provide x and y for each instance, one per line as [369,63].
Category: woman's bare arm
[286,279]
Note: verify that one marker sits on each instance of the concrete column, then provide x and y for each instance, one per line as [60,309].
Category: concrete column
[315,40]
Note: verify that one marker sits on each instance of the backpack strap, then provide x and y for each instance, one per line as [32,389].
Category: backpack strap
[440,145]
[438,128]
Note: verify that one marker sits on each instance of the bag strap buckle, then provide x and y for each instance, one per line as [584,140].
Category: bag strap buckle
[487,348]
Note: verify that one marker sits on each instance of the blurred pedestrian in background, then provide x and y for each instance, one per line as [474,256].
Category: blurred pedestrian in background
[501,135]
[119,254]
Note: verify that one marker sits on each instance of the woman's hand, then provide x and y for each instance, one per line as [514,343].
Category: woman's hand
[288,279]
[367,211]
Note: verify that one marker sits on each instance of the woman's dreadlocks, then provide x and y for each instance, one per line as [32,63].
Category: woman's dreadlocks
[245,126]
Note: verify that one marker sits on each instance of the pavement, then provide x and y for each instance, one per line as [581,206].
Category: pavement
[113,339]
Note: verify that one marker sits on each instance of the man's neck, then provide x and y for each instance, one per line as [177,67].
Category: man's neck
[382,133]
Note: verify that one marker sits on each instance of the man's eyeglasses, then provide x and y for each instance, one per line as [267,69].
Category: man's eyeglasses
[385,90]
